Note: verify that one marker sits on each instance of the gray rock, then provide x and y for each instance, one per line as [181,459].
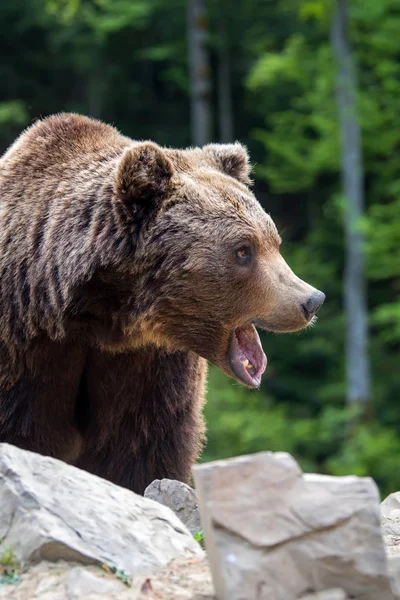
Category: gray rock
[179,497]
[272,532]
[51,510]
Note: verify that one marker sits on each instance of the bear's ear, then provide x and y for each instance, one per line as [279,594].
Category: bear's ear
[143,176]
[232,159]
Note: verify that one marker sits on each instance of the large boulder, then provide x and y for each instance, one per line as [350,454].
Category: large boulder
[51,510]
[273,532]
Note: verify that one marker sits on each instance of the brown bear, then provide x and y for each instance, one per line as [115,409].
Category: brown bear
[124,267]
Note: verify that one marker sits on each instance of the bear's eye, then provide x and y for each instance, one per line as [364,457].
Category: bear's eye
[244,254]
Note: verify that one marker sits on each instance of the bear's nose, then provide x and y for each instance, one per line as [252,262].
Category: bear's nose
[314,303]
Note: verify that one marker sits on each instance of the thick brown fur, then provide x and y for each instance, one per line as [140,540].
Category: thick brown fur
[117,281]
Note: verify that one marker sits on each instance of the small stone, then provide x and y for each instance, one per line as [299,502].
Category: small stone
[390,514]
[273,532]
[179,497]
[81,583]
[332,594]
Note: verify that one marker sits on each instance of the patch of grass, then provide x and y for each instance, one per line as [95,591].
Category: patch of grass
[119,574]
[8,559]
[199,537]
[9,567]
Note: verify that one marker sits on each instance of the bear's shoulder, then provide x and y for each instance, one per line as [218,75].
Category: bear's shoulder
[65,136]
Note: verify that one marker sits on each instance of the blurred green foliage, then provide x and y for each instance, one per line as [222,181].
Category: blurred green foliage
[125,61]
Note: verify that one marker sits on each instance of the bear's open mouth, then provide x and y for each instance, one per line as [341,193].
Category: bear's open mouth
[246,356]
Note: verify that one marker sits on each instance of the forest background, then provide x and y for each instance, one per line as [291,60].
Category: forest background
[275,75]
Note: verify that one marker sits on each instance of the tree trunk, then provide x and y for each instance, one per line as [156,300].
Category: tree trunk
[355,295]
[225,114]
[199,72]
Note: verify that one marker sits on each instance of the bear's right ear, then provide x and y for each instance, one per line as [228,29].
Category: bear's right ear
[143,176]
[231,159]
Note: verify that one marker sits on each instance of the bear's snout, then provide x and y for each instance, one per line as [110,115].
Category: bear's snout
[313,304]
[287,303]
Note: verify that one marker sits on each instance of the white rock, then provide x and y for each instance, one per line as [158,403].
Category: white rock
[179,497]
[51,510]
[272,532]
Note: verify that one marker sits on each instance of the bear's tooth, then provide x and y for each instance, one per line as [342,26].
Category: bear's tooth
[248,365]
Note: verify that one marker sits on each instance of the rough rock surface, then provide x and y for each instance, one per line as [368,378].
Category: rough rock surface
[390,511]
[272,532]
[50,510]
[179,497]
[182,579]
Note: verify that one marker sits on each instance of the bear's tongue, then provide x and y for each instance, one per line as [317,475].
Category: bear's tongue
[246,357]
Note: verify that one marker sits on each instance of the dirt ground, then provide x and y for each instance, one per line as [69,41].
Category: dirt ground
[183,579]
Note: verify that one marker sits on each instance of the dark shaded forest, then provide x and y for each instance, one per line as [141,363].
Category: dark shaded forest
[312,88]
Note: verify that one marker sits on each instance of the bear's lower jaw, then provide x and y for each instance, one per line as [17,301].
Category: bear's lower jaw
[246,358]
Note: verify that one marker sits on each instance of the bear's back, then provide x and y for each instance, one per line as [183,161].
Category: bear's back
[55,185]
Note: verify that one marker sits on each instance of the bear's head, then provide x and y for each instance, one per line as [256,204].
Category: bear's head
[207,269]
